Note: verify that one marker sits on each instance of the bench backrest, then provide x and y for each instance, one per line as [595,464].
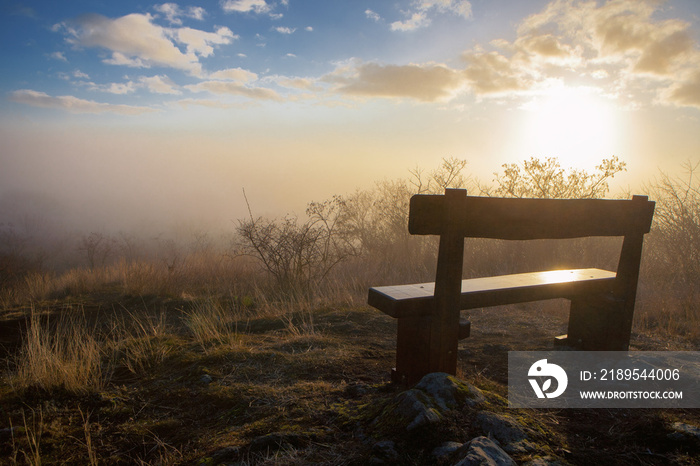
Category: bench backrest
[454,216]
[524,219]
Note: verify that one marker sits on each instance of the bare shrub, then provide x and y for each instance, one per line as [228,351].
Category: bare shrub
[672,254]
[98,248]
[376,222]
[297,254]
[547,179]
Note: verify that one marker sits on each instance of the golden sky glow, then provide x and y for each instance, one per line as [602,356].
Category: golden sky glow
[167,111]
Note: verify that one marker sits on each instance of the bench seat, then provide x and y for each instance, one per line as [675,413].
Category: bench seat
[414,300]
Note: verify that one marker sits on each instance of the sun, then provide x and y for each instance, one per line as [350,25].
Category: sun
[578,125]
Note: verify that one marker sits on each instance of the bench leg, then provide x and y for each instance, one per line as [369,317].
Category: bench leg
[412,350]
[598,323]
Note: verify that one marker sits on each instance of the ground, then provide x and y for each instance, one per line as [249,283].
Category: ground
[291,388]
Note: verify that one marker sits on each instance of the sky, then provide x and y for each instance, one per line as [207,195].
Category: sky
[125,115]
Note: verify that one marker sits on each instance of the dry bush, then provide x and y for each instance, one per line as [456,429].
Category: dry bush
[546,179]
[671,266]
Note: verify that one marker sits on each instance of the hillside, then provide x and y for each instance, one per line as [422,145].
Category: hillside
[228,381]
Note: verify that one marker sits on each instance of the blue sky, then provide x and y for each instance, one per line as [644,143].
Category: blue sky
[183,104]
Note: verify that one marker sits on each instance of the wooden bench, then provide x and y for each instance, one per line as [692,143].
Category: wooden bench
[602,302]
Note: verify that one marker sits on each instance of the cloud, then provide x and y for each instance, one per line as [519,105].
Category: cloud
[58,56]
[285,30]
[73,104]
[416,21]
[427,83]
[159,84]
[306,84]
[200,42]
[235,81]
[372,15]
[419,14]
[173,12]
[235,74]
[620,41]
[685,92]
[493,73]
[120,88]
[245,6]
[233,88]
[136,41]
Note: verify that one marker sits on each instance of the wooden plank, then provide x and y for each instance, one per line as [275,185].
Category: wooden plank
[444,323]
[416,299]
[523,219]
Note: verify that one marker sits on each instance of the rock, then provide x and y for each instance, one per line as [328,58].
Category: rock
[482,451]
[385,451]
[684,432]
[448,392]
[413,409]
[511,434]
[427,403]
[445,451]
[206,379]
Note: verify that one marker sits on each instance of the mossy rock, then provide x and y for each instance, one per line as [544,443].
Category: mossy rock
[426,404]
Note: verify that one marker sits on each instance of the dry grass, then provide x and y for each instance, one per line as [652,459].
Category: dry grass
[62,354]
[213,325]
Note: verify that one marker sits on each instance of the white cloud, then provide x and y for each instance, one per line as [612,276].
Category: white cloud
[173,12]
[73,104]
[309,29]
[296,83]
[416,21]
[285,30]
[235,74]
[120,59]
[493,73]
[418,15]
[372,15]
[245,6]
[235,81]
[235,88]
[136,41]
[58,56]
[120,88]
[200,42]
[622,41]
[427,83]
[80,75]
[159,84]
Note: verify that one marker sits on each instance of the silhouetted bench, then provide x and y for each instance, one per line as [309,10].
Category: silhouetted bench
[602,302]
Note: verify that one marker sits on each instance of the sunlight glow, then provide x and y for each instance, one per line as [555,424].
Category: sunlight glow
[575,124]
